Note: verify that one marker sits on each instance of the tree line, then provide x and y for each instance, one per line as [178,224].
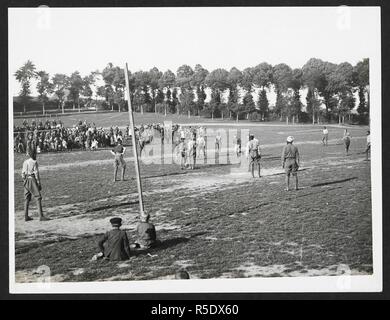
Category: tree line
[330,89]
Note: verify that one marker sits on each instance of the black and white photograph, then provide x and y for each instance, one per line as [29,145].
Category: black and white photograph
[195,149]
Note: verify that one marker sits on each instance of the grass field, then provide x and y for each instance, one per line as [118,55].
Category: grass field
[216,221]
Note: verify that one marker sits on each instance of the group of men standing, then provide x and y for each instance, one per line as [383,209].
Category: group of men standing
[188,152]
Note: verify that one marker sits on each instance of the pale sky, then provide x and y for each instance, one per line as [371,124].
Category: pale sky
[62,40]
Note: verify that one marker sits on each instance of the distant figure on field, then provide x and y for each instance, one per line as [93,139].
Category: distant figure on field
[146,233]
[117,244]
[201,145]
[237,145]
[290,162]
[347,140]
[218,142]
[325,134]
[253,154]
[368,147]
[192,153]
[32,184]
[118,153]
[182,153]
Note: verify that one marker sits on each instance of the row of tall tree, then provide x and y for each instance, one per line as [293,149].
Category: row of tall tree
[330,89]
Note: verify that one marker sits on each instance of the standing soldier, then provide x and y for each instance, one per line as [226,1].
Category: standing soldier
[253,154]
[325,134]
[192,153]
[237,145]
[32,184]
[368,148]
[347,141]
[183,154]
[218,142]
[290,162]
[118,153]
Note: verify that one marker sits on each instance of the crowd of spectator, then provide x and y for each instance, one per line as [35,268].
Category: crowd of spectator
[53,136]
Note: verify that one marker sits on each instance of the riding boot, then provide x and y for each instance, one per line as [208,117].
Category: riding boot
[123,174]
[40,212]
[26,205]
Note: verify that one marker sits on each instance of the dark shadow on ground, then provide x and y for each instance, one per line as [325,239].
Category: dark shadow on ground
[164,244]
[110,206]
[332,182]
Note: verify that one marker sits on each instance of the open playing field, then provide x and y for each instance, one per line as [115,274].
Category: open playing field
[216,221]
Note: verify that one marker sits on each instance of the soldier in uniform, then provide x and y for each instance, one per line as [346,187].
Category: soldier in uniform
[32,184]
[117,244]
[290,162]
[325,134]
[237,145]
[218,142]
[368,147]
[253,154]
[146,232]
[118,153]
[347,141]
[192,152]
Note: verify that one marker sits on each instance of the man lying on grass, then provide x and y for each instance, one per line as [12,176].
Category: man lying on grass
[117,244]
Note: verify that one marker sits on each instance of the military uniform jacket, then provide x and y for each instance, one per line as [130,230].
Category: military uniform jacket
[117,245]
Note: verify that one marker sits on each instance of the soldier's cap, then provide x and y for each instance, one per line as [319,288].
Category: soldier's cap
[290,139]
[116,222]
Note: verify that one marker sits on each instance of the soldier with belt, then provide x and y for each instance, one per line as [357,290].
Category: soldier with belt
[290,162]
[118,153]
[253,154]
[32,184]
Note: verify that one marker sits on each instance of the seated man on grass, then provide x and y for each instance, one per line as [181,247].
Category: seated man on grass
[117,244]
[146,233]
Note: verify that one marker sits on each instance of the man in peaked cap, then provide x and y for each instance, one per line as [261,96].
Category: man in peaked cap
[117,244]
[290,162]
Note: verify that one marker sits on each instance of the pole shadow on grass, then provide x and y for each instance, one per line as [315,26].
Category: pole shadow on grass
[332,182]
[111,206]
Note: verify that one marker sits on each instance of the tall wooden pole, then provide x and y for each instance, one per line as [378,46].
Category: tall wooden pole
[134,142]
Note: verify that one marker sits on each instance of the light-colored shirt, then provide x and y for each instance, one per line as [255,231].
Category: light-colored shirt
[30,167]
[252,145]
[325,131]
[290,152]
[368,140]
